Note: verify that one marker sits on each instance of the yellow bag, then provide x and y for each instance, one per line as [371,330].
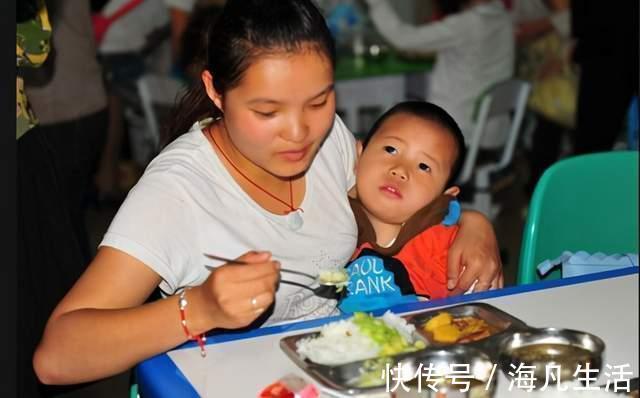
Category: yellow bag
[554,80]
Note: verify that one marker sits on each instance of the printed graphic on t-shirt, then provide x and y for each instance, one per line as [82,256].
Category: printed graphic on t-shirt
[376,281]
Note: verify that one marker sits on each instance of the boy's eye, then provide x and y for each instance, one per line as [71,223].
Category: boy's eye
[424,167]
[390,149]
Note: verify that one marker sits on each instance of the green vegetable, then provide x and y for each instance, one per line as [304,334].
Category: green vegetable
[386,337]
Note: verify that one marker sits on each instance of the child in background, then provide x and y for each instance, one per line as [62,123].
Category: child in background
[405,208]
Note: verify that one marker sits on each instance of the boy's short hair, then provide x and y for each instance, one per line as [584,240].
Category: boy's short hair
[431,112]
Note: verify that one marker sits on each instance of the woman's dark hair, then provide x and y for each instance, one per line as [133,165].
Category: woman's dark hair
[242,32]
[434,113]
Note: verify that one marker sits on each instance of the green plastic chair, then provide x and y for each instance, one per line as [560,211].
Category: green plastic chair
[587,202]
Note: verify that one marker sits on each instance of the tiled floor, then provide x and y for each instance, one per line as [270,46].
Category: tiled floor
[508,226]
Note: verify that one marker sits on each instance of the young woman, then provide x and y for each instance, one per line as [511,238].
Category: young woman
[268,170]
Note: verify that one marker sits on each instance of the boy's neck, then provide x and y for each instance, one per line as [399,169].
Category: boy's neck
[386,233]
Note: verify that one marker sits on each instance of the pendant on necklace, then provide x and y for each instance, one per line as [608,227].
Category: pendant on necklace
[294,220]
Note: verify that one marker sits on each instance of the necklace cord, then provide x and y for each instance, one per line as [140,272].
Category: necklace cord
[289,205]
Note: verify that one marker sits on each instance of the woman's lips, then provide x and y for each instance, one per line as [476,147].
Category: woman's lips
[295,156]
[391,191]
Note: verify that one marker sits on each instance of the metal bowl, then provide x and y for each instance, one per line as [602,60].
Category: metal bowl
[562,350]
[480,383]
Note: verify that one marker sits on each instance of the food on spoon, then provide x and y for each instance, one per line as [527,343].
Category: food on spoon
[360,337]
[333,276]
[446,329]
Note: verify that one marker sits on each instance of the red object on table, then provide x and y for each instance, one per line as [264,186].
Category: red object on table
[277,390]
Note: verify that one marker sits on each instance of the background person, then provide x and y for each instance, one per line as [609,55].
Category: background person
[134,44]
[56,162]
[543,32]
[475,48]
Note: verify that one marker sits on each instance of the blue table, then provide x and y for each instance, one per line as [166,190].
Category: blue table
[605,304]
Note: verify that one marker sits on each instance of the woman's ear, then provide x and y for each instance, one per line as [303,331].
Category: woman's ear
[207,80]
[452,191]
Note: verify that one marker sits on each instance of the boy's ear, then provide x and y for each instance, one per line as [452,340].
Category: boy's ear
[452,191]
[207,80]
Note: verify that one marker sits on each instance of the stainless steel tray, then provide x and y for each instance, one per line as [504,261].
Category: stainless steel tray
[502,324]
[346,379]
[367,377]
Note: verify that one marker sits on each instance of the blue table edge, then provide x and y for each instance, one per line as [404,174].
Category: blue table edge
[149,373]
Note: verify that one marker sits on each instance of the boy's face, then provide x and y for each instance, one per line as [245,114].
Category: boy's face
[404,167]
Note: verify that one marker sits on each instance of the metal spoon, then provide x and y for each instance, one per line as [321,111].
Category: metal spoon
[290,271]
[324,291]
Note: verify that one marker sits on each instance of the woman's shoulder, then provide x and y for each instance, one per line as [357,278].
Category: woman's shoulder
[184,160]
[183,149]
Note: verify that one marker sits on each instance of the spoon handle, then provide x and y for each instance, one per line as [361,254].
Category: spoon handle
[224,259]
[290,271]
[297,284]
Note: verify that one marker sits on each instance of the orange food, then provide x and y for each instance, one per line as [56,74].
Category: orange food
[446,329]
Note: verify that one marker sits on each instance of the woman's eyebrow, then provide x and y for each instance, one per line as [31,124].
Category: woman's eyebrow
[261,100]
[327,90]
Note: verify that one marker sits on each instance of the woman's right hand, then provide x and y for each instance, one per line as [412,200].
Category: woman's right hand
[234,295]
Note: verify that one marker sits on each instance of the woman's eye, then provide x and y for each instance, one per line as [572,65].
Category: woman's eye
[265,114]
[319,104]
[390,149]
[424,167]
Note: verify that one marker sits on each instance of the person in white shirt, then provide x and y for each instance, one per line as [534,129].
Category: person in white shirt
[132,45]
[543,34]
[131,32]
[258,169]
[474,49]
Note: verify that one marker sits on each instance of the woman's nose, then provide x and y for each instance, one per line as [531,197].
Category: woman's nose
[297,130]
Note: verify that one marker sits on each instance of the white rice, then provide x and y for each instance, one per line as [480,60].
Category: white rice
[341,342]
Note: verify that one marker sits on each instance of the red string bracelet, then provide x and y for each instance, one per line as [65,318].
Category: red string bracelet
[182,304]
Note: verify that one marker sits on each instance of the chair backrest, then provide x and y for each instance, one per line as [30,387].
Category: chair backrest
[587,202]
[508,97]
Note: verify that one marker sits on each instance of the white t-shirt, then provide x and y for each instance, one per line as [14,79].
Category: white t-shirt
[475,49]
[129,32]
[187,204]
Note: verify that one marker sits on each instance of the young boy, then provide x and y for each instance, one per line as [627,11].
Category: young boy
[404,204]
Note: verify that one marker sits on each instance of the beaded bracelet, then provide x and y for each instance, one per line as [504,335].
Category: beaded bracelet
[182,304]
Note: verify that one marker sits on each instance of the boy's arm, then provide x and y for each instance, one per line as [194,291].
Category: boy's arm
[426,259]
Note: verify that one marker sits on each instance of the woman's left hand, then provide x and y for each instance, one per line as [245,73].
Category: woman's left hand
[474,256]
